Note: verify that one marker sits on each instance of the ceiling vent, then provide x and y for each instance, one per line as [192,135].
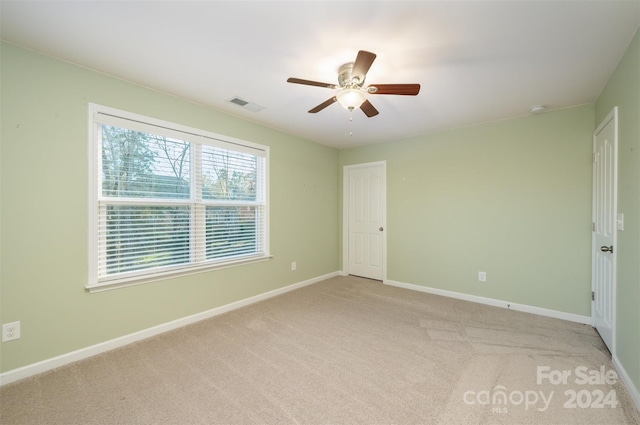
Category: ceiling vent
[253,107]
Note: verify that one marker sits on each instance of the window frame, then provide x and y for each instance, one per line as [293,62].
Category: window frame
[100,115]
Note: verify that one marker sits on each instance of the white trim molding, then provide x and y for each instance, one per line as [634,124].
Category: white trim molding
[83,353]
[586,320]
[626,380]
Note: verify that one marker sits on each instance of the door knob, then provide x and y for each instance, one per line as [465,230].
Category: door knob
[381,229]
[607,249]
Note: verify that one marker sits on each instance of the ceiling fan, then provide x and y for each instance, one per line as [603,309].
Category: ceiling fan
[352,92]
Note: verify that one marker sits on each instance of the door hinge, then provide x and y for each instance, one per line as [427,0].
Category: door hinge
[593,226]
[594,156]
[593,296]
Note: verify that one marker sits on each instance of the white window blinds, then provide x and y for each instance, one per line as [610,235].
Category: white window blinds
[170,199]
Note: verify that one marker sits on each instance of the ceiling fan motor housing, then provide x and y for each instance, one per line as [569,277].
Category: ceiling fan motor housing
[346,79]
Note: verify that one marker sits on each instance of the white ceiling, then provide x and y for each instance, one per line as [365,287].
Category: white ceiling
[476,61]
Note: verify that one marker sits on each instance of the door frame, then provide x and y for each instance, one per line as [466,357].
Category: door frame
[612,116]
[346,173]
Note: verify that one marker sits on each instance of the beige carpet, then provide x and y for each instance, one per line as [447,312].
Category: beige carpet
[343,351]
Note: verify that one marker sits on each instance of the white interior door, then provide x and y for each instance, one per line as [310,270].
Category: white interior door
[365,194]
[605,160]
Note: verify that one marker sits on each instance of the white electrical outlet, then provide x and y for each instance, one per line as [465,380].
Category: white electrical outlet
[482,276]
[293,265]
[10,331]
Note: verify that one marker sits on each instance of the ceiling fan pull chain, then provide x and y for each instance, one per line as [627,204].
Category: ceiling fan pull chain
[350,122]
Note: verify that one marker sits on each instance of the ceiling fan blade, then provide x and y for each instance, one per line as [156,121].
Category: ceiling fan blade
[323,105]
[368,109]
[362,64]
[310,83]
[401,89]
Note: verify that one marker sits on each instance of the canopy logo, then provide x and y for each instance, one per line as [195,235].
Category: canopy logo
[499,399]
[593,397]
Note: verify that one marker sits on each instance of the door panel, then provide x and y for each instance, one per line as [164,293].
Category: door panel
[365,220]
[604,229]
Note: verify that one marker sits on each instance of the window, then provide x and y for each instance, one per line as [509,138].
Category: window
[167,199]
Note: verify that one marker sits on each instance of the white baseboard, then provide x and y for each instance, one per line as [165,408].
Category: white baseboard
[493,302]
[633,391]
[83,353]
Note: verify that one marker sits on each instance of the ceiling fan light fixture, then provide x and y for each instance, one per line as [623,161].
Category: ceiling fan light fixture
[351,98]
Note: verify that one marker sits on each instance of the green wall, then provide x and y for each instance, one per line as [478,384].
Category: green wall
[623,90]
[44,212]
[511,198]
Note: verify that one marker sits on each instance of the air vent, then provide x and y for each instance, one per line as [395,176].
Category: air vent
[253,107]
[239,101]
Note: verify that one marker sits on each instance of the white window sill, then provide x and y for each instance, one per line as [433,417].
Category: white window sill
[147,278]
